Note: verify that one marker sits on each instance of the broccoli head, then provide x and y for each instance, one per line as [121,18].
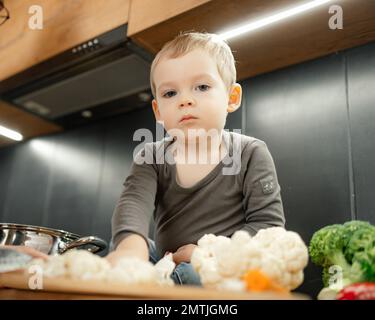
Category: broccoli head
[349,246]
[360,238]
[327,245]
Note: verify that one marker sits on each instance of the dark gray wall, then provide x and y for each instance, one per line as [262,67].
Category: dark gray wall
[300,113]
[361,102]
[72,180]
[317,119]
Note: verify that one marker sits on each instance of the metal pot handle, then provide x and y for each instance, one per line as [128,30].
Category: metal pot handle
[98,244]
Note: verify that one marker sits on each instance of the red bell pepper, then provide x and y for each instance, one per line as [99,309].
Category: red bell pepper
[358,291]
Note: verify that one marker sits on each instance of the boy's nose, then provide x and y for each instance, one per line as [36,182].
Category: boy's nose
[186,102]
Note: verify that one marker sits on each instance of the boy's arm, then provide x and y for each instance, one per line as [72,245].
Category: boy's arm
[261,190]
[131,218]
[132,246]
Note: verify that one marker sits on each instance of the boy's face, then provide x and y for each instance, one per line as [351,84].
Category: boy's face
[191,85]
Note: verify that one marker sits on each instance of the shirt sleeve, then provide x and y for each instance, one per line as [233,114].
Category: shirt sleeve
[261,191]
[136,204]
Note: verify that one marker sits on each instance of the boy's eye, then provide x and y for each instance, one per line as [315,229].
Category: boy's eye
[169,94]
[203,87]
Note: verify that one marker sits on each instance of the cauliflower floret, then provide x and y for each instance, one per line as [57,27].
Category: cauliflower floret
[230,253]
[207,240]
[212,243]
[253,256]
[232,284]
[82,264]
[241,238]
[288,245]
[198,256]
[273,267]
[232,261]
[53,267]
[280,254]
[164,269]
[232,258]
[296,278]
[209,273]
[132,270]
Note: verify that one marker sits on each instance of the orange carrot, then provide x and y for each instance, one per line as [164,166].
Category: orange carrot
[256,280]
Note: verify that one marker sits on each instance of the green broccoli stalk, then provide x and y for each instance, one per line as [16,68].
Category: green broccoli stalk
[349,247]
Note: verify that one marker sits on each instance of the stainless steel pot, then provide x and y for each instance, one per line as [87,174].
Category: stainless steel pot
[47,240]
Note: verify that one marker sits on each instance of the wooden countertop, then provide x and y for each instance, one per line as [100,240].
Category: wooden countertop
[14,286]
[19,294]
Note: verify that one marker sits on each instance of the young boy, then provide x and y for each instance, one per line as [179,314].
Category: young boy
[193,81]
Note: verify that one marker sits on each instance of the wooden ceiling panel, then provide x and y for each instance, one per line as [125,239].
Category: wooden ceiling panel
[147,13]
[298,39]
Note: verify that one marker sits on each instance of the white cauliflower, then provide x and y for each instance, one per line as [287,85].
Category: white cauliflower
[296,278]
[274,268]
[212,244]
[278,253]
[84,265]
[232,284]
[231,261]
[209,273]
[199,257]
[287,245]
[55,267]
[77,264]
[132,270]
[164,268]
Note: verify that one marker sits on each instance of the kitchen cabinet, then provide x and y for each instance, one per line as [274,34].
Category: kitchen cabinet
[65,24]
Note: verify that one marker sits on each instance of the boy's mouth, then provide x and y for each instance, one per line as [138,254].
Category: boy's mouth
[187,117]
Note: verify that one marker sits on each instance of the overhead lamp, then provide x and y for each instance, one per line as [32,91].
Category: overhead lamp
[11,134]
[271,19]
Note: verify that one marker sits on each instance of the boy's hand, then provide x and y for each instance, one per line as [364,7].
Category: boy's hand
[183,254]
[132,246]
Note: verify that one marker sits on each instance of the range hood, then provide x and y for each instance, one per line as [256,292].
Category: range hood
[102,77]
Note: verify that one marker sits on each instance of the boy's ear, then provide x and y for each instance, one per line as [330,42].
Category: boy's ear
[155,108]
[235,97]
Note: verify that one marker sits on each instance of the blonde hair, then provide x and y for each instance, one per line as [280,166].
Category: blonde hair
[186,42]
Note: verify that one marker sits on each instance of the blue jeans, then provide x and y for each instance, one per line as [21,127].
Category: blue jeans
[184,273]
